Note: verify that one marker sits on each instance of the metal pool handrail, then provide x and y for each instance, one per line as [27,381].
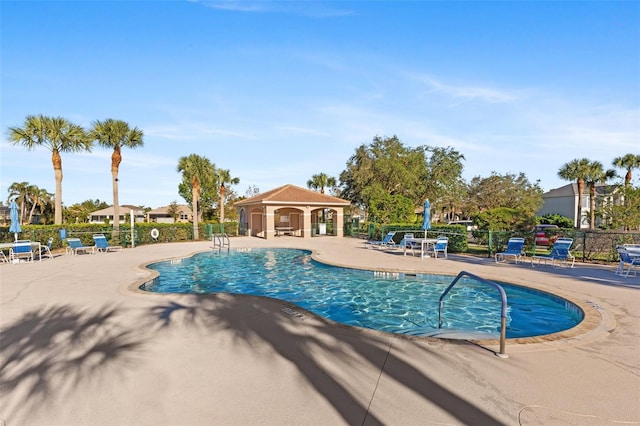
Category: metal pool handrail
[220,241]
[503,313]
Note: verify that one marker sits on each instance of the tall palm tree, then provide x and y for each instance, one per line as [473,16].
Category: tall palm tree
[627,162]
[595,175]
[224,177]
[116,134]
[196,171]
[576,170]
[57,135]
[321,181]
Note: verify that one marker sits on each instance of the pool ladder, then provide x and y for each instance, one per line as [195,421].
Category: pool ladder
[220,241]
[503,313]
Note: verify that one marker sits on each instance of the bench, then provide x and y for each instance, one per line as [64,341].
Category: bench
[284,230]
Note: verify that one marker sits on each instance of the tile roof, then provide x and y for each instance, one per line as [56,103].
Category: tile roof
[293,195]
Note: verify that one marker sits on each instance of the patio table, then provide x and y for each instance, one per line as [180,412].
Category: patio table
[35,245]
[423,242]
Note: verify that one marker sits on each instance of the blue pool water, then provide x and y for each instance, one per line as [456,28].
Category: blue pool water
[396,303]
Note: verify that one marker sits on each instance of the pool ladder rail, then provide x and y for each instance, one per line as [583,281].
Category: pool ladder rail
[220,241]
[503,312]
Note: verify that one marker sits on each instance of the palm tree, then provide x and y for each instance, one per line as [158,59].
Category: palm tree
[20,192]
[321,181]
[595,175]
[627,162]
[196,171]
[38,198]
[224,176]
[57,135]
[576,170]
[116,134]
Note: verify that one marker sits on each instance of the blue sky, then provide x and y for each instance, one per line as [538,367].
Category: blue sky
[278,91]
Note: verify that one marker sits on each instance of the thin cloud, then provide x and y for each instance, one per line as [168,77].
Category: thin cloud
[463,92]
[309,8]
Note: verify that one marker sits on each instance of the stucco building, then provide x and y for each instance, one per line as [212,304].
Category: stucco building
[291,210]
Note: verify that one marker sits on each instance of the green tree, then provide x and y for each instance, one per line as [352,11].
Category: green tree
[197,172]
[504,218]
[509,191]
[596,175]
[444,184]
[385,168]
[628,163]
[116,134]
[625,215]
[576,170]
[225,180]
[174,210]
[555,219]
[80,212]
[58,136]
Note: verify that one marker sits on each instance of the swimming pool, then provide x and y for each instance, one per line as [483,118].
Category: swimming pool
[391,302]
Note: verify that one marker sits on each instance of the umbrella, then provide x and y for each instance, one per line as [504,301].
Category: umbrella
[15,220]
[426,220]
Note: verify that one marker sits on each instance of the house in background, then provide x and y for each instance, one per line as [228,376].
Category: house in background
[100,216]
[161,215]
[564,201]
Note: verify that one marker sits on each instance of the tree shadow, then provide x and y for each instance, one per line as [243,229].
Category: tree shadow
[318,349]
[54,349]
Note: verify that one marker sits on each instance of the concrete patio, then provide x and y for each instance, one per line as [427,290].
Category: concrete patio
[80,346]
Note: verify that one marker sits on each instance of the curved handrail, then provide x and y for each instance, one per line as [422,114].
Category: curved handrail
[503,312]
[220,241]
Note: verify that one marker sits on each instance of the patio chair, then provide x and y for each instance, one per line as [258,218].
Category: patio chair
[103,245]
[514,250]
[46,249]
[560,252]
[441,246]
[21,250]
[627,258]
[405,242]
[387,241]
[76,246]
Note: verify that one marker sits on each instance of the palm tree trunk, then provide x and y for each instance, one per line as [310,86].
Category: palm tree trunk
[57,171]
[194,207]
[116,158]
[592,206]
[580,190]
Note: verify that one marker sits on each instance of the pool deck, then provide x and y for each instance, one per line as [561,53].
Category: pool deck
[78,346]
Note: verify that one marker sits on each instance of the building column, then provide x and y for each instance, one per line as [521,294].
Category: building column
[269,222]
[339,222]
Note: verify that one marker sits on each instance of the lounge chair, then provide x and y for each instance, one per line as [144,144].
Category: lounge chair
[441,246]
[387,241]
[76,246]
[103,245]
[21,250]
[627,257]
[514,250]
[560,252]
